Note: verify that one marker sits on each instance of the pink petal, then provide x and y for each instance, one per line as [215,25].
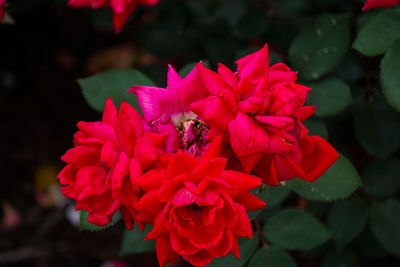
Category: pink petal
[173,78]
[212,81]
[157,104]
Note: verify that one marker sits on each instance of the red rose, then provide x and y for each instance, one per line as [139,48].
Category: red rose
[199,208]
[107,158]
[259,110]
[371,4]
[122,9]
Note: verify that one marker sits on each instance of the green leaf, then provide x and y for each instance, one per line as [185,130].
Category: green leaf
[134,242]
[271,256]
[316,127]
[377,128]
[273,195]
[381,179]
[330,96]
[321,46]
[84,225]
[345,258]
[115,84]
[384,222]
[296,229]
[338,182]
[290,8]
[389,75]
[247,248]
[379,34]
[367,245]
[347,219]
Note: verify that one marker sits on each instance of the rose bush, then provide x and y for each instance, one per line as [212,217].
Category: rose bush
[108,157]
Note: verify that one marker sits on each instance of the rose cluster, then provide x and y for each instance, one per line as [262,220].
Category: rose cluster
[186,167]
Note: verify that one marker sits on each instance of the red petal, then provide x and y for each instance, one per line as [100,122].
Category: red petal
[127,217]
[158,139]
[319,160]
[109,154]
[130,126]
[152,179]
[150,203]
[181,163]
[99,130]
[199,259]
[81,156]
[242,182]
[181,245]
[120,18]
[164,251]
[303,112]
[248,162]
[214,150]
[145,152]
[247,136]
[212,169]
[224,246]
[250,202]
[243,225]
[235,248]
[110,114]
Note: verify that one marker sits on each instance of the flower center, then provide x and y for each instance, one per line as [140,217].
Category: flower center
[194,137]
[194,207]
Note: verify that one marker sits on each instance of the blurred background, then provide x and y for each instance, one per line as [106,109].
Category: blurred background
[49,46]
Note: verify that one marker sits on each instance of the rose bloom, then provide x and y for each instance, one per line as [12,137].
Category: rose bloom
[168,110]
[259,110]
[371,4]
[198,208]
[121,9]
[108,157]
[2,4]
